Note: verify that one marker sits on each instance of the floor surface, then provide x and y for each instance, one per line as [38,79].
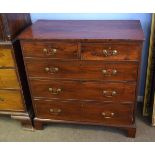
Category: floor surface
[10,130]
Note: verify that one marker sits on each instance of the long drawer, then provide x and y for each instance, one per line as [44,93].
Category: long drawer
[11,100]
[94,70]
[106,113]
[110,52]
[106,91]
[50,50]
[8,79]
[6,59]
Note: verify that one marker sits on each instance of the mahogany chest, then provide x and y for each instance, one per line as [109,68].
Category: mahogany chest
[83,71]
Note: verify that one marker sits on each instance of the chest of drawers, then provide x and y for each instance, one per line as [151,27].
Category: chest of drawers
[10,95]
[13,99]
[83,71]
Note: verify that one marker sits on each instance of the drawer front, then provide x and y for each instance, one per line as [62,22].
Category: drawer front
[110,52]
[6,59]
[83,90]
[11,100]
[108,113]
[102,113]
[50,50]
[61,110]
[8,79]
[81,70]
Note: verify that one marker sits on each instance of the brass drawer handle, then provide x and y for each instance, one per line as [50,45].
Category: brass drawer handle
[55,91]
[108,114]
[109,72]
[109,52]
[109,93]
[49,52]
[55,111]
[1,99]
[52,69]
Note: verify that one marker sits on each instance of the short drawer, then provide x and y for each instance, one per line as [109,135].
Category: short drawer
[110,113]
[6,59]
[92,70]
[8,79]
[56,109]
[11,100]
[110,52]
[106,91]
[50,50]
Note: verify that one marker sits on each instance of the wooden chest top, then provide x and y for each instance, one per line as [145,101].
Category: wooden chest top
[87,30]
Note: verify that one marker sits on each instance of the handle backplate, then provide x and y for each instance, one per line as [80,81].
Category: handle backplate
[55,111]
[50,51]
[51,69]
[107,114]
[109,52]
[108,93]
[109,72]
[55,91]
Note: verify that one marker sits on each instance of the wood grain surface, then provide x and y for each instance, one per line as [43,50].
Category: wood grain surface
[84,29]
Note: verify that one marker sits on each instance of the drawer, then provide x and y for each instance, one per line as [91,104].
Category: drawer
[92,70]
[8,79]
[61,110]
[93,112]
[6,59]
[109,113]
[105,91]
[50,50]
[11,100]
[110,52]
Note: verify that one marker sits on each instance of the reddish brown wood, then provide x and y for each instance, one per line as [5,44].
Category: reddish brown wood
[38,125]
[84,90]
[108,113]
[59,110]
[92,70]
[131,132]
[83,30]
[1,29]
[85,111]
[74,73]
[44,50]
[92,51]
[11,24]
